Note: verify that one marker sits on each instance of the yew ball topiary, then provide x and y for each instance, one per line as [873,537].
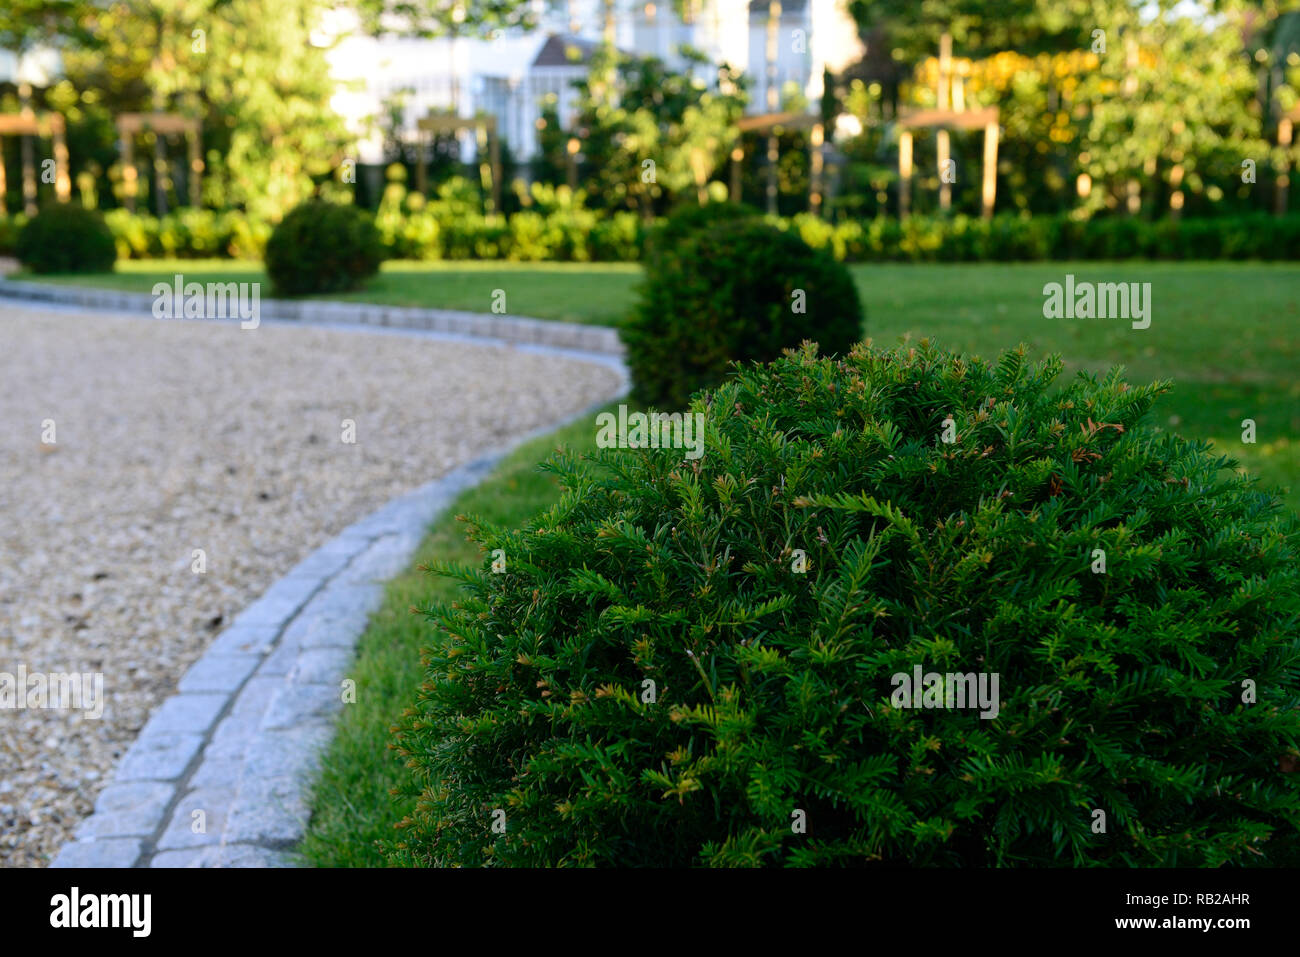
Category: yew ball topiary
[323,247]
[66,238]
[731,289]
[710,661]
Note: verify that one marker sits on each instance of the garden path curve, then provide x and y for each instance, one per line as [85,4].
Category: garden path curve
[173,438]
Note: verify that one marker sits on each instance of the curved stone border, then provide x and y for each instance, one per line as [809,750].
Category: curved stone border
[252,716]
[512,329]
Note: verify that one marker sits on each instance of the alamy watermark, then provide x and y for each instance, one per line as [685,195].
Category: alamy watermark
[129,911]
[56,691]
[947,690]
[214,300]
[1105,300]
[654,430]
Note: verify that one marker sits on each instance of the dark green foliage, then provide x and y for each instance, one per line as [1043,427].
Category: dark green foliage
[323,247]
[1121,691]
[735,289]
[64,237]
[691,218]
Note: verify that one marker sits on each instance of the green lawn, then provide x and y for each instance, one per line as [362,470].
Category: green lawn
[1226,333]
[353,808]
[569,292]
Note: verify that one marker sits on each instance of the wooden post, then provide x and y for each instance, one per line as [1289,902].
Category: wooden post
[737,155]
[29,176]
[62,180]
[421,175]
[160,172]
[489,161]
[130,175]
[494,148]
[944,145]
[989,192]
[194,148]
[815,163]
[25,150]
[904,174]
[1284,132]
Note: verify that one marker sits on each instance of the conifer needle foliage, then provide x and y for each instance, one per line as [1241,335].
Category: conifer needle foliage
[1120,691]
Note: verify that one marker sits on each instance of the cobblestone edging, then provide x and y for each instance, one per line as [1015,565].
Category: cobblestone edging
[245,731]
[512,329]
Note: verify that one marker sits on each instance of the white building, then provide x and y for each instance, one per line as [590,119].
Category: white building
[510,76]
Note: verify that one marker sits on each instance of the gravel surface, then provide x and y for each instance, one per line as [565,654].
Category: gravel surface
[172,436]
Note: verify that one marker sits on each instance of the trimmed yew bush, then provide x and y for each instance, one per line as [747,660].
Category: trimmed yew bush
[683,661]
[66,238]
[724,287]
[323,247]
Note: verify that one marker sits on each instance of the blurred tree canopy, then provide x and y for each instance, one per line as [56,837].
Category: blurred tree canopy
[437,18]
[662,138]
[251,70]
[1103,105]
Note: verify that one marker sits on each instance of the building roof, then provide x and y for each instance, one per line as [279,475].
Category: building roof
[555,51]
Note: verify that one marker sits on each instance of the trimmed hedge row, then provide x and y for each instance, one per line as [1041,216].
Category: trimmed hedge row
[188,234]
[585,236]
[528,236]
[1012,238]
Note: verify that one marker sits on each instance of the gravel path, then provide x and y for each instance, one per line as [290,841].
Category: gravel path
[172,436]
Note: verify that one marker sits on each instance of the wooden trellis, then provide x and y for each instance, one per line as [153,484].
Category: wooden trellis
[945,118]
[130,125]
[485,128]
[46,125]
[777,122]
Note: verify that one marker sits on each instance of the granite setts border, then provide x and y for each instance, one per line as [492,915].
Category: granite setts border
[511,329]
[252,714]
[242,737]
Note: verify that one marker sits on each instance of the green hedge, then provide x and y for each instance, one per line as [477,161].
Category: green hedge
[443,231]
[188,234]
[1011,238]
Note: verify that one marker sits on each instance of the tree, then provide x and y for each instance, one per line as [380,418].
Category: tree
[28,23]
[440,18]
[253,75]
[984,27]
[666,136]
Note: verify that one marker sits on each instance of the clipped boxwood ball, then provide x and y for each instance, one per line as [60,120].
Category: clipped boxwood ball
[706,661]
[64,237]
[735,290]
[323,247]
[690,218]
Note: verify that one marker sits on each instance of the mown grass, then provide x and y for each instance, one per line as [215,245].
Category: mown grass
[598,294]
[353,807]
[1224,332]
